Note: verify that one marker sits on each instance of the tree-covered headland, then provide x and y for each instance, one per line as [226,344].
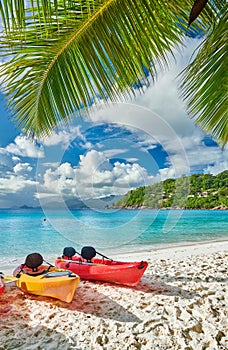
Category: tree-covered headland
[197,191]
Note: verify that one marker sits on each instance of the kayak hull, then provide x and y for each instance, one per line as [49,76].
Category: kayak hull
[53,284]
[2,286]
[124,273]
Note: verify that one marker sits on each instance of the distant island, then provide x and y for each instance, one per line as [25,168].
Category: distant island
[198,191]
[72,204]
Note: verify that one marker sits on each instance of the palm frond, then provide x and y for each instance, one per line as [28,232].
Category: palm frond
[205,83]
[66,53]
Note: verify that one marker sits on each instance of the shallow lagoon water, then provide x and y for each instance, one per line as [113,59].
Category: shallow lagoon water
[24,231]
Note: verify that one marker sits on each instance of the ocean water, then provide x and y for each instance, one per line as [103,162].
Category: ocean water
[48,232]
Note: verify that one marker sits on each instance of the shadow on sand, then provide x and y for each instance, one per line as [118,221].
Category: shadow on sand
[93,303]
[156,285]
[17,331]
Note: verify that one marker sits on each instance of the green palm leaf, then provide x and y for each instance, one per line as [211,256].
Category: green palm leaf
[205,82]
[64,54]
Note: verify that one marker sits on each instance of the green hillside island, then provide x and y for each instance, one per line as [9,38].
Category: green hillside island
[197,191]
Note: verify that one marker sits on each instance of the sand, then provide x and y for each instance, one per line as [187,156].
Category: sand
[180,303]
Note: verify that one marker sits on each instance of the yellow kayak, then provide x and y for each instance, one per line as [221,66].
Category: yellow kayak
[52,282]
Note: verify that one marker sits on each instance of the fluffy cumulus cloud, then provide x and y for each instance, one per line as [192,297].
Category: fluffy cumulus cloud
[65,137]
[17,190]
[20,168]
[14,184]
[25,147]
[94,177]
[219,163]
[17,185]
[165,173]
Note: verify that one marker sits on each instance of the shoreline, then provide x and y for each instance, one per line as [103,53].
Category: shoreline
[135,253]
[180,303]
[172,250]
[26,208]
[218,208]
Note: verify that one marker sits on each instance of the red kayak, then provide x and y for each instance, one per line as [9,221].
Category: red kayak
[101,269]
[2,285]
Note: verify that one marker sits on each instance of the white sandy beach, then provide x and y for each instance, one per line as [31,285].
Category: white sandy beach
[180,303]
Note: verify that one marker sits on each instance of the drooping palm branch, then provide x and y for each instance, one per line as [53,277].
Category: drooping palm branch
[204,82]
[63,55]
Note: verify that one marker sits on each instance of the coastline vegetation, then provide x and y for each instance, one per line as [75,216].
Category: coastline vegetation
[198,191]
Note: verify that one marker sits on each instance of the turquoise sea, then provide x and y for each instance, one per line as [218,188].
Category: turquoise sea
[48,232]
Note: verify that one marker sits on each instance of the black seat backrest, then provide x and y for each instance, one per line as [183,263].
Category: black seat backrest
[33,261]
[88,253]
[69,252]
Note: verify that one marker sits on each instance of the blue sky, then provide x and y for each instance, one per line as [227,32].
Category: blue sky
[116,149]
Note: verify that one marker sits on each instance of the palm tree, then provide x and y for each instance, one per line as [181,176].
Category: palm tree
[63,56]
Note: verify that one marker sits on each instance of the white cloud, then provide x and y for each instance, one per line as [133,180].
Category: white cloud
[50,164]
[14,184]
[208,158]
[132,160]
[25,147]
[166,173]
[110,153]
[131,174]
[15,159]
[94,177]
[216,168]
[218,162]
[6,161]
[161,99]
[63,137]
[21,168]
[155,128]
[160,115]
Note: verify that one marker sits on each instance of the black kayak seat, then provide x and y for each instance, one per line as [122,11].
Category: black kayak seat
[69,252]
[33,261]
[88,253]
